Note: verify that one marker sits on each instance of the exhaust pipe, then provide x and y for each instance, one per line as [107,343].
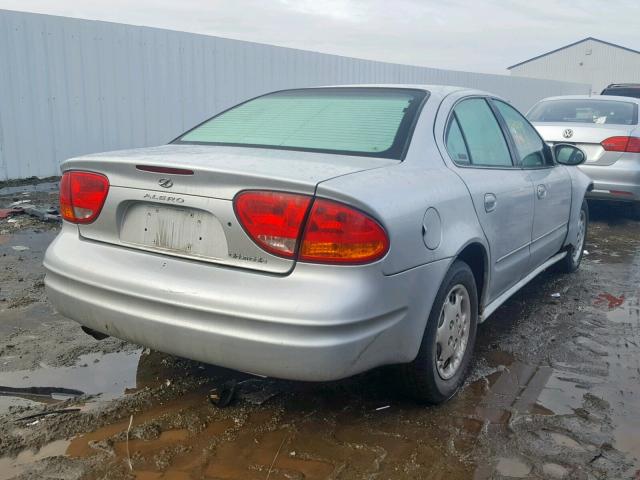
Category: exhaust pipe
[94,333]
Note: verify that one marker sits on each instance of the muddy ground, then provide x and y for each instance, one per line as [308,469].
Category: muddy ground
[554,390]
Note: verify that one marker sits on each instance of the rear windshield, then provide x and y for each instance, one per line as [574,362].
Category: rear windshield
[375,122]
[622,92]
[611,112]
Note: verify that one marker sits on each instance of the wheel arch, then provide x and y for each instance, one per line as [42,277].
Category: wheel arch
[476,255]
[581,184]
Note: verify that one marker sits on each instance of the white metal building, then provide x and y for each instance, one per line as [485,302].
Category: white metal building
[70,86]
[590,60]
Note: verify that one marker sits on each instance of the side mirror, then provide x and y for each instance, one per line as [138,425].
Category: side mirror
[568,154]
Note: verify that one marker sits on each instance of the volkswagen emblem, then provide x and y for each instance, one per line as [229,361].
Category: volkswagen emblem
[165,182]
[567,133]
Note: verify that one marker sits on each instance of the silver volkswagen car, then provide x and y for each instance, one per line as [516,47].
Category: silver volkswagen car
[607,129]
[313,234]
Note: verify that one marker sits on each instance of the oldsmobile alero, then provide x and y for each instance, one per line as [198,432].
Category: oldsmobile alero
[316,233]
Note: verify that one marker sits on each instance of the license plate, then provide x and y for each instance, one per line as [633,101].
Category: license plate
[183,231]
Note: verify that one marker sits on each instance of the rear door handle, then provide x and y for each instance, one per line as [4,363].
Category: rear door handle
[490,202]
[541,191]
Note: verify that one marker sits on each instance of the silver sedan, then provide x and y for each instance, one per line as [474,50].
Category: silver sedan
[313,234]
[607,129]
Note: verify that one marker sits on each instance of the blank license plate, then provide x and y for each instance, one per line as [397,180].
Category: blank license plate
[184,231]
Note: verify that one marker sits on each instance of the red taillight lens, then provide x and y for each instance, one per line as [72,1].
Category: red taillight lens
[336,233]
[273,219]
[634,145]
[622,144]
[82,195]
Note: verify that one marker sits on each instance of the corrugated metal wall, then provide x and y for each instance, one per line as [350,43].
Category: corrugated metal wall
[70,86]
[591,61]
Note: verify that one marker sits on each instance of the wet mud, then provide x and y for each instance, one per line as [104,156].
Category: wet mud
[554,392]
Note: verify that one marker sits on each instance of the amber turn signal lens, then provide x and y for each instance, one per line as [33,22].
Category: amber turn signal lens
[337,233]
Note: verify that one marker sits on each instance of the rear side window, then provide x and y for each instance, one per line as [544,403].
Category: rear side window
[528,143]
[482,135]
[610,112]
[375,122]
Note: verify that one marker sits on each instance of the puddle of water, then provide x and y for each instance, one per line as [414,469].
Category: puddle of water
[12,467]
[544,390]
[172,452]
[23,189]
[564,391]
[106,375]
[190,438]
[622,386]
[36,241]
[565,441]
[512,467]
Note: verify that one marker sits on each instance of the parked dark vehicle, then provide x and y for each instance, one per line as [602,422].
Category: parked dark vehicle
[623,90]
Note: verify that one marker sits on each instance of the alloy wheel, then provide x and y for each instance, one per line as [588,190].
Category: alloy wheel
[452,335]
[582,228]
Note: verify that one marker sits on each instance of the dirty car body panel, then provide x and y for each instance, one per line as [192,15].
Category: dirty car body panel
[168,264]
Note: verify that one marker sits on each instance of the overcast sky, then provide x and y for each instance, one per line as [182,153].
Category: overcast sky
[482,36]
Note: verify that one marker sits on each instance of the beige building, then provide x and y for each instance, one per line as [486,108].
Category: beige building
[590,60]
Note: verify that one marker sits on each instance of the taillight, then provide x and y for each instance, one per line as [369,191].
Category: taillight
[634,145]
[336,233]
[622,144]
[82,195]
[272,219]
[333,232]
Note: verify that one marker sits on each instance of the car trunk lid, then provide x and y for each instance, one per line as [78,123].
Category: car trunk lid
[190,214]
[588,137]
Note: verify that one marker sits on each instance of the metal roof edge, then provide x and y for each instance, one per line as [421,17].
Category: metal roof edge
[571,45]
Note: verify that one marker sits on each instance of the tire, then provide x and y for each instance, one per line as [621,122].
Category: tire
[431,381]
[571,262]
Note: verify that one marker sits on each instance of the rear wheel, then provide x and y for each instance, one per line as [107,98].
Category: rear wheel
[445,354]
[571,262]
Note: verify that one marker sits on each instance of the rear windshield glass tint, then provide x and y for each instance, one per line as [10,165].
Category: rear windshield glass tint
[357,121]
[585,111]
[623,92]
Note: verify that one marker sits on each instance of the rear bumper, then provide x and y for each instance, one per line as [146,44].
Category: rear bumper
[318,323]
[618,182]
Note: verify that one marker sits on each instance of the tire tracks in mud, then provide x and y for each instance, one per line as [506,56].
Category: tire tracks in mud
[576,410]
